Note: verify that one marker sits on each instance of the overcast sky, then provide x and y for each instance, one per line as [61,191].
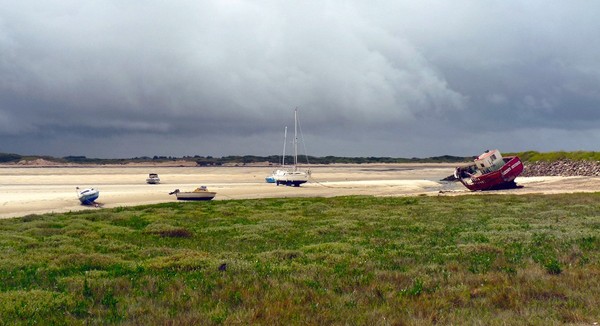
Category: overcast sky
[120,79]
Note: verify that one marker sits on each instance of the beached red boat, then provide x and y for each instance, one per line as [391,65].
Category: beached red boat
[490,171]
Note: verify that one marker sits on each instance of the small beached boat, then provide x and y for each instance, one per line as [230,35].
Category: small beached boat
[277,174]
[200,193]
[87,196]
[153,179]
[490,171]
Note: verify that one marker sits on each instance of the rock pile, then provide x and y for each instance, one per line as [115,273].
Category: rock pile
[563,168]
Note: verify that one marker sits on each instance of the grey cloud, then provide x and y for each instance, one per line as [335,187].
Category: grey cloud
[396,78]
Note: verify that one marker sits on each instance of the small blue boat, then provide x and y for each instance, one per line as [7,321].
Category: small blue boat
[88,196]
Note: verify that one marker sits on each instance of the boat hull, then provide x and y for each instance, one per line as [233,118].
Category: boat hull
[291,178]
[208,195]
[295,183]
[88,196]
[503,178]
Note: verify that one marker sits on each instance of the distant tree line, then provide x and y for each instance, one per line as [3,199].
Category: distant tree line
[236,159]
[529,156]
[277,159]
[5,157]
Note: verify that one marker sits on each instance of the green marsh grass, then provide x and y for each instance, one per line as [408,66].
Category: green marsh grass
[485,259]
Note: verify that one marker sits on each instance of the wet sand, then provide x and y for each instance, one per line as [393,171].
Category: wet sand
[38,190]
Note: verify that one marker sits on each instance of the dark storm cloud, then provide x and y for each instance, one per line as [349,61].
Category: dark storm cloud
[398,78]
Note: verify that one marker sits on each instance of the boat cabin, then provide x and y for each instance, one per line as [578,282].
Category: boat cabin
[489,161]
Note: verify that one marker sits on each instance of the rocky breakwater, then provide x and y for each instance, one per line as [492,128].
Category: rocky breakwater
[562,168]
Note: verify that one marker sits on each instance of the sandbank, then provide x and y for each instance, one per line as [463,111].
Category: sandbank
[28,190]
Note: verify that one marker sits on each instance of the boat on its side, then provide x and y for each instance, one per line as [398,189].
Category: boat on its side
[87,196]
[490,171]
[153,179]
[200,193]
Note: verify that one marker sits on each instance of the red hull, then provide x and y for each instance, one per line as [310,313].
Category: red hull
[500,179]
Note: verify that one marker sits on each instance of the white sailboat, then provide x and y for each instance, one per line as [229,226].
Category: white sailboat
[294,176]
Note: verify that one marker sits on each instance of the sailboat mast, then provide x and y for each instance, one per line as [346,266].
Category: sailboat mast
[284,141]
[295,139]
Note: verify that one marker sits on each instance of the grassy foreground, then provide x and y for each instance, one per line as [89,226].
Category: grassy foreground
[481,259]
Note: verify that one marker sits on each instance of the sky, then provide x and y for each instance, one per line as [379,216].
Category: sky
[398,78]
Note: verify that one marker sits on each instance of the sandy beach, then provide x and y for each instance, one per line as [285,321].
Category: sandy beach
[38,190]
